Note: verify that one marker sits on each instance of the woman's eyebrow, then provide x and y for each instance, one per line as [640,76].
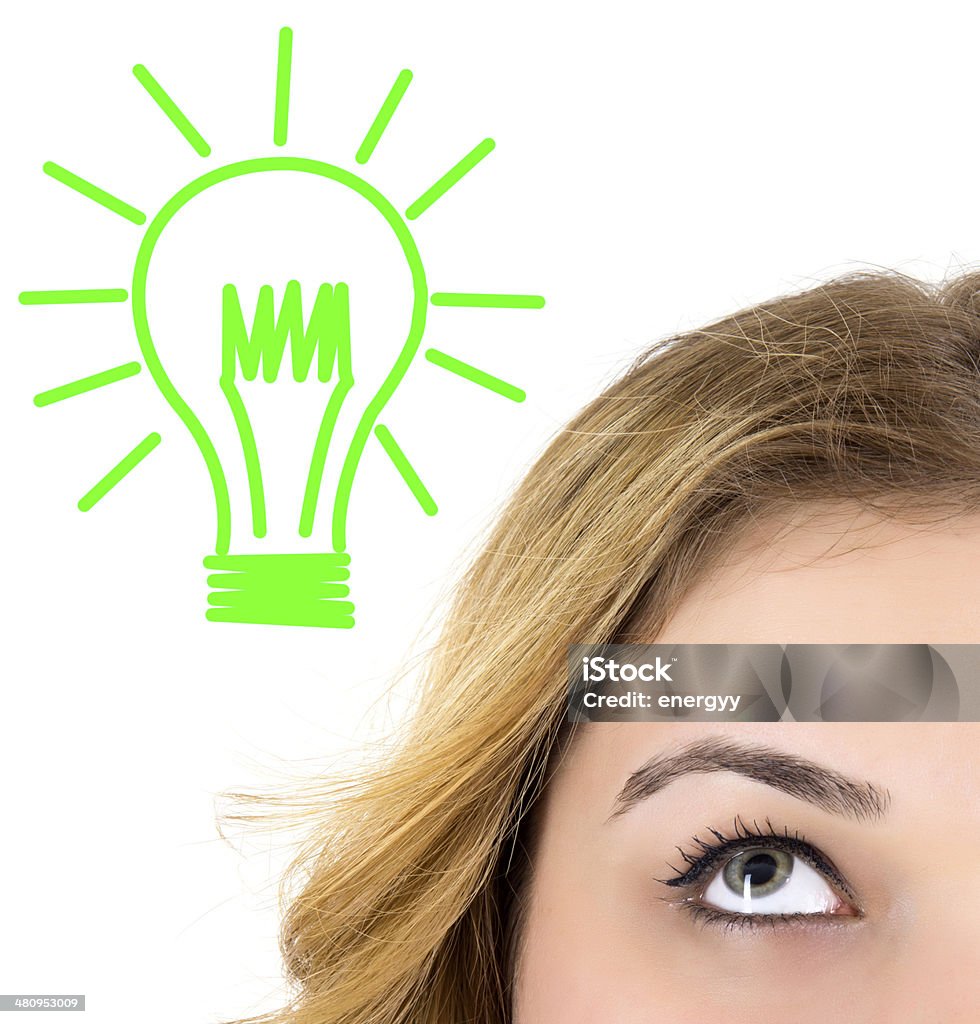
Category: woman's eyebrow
[794,775]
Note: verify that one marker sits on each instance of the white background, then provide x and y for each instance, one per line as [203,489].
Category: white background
[656,166]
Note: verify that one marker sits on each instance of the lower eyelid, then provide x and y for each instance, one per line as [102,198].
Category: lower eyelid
[711,916]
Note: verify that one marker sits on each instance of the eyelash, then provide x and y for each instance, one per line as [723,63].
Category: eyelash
[712,853]
[738,922]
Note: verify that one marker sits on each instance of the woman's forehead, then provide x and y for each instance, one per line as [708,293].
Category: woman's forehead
[837,574]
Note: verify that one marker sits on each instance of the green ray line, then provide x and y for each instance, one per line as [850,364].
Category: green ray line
[384,116]
[72,295]
[93,192]
[485,380]
[446,182]
[179,119]
[121,469]
[488,300]
[79,387]
[283,72]
[405,468]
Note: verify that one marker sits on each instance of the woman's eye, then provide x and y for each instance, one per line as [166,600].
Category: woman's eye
[763,880]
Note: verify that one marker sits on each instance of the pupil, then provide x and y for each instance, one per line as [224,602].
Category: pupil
[760,869]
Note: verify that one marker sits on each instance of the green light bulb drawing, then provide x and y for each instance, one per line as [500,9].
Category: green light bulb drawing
[313,347]
[304,588]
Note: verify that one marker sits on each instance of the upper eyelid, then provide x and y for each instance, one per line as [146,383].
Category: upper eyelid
[730,846]
[698,865]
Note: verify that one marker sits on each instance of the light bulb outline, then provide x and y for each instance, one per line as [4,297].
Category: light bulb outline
[372,410]
[307,588]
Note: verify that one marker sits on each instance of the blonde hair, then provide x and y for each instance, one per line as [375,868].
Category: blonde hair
[866,387]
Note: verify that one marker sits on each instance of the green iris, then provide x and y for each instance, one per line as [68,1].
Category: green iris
[767,871]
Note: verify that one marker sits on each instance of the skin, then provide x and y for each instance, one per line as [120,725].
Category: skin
[601,942]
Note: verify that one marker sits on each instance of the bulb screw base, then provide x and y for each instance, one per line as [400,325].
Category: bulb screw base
[280,590]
